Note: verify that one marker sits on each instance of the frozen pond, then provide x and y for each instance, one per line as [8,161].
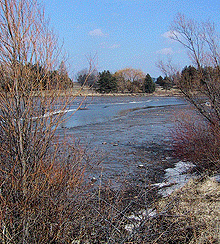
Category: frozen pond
[101,109]
[128,133]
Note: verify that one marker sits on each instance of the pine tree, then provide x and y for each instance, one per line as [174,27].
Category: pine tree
[107,82]
[149,85]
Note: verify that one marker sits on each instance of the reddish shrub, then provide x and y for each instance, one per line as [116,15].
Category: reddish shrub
[196,140]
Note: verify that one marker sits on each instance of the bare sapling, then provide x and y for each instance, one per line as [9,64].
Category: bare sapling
[202,43]
[36,185]
[200,82]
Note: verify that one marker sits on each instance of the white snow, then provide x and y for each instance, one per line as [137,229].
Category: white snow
[175,178]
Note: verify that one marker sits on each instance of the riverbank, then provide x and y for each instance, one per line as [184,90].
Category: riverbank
[90,92]
[158,92]
[191,213]
[136,215]
[131,199]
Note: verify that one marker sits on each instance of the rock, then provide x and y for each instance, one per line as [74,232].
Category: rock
[93,179]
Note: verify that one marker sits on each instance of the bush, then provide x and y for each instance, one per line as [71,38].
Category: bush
[197,140]
[40,176]
[41,206]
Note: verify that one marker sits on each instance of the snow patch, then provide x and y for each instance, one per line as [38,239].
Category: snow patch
[175,177]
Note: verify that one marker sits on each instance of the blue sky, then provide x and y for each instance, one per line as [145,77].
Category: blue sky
[124,33]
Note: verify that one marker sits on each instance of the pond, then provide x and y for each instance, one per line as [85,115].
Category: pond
[126,134]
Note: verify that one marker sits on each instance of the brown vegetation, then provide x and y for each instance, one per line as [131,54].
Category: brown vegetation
[134,215]
[39,180]
[189,215]
[196,141]
[44,197]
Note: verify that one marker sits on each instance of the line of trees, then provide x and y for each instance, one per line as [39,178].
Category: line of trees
[37,77]
[127,80]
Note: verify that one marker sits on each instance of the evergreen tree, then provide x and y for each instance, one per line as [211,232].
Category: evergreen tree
[160,81]
[107,82]
[189,78]
[165,82]
[149,85]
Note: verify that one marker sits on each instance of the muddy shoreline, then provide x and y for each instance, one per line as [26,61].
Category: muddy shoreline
[136,147]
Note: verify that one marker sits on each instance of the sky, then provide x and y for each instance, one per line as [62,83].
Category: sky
[124,33]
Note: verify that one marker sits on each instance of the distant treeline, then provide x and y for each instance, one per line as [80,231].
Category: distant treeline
[36,77]
[127,80]
[131,80]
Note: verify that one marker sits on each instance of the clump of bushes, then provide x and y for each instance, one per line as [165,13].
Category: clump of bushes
[197,140]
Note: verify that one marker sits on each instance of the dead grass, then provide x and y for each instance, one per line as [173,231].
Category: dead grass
[135,215]
[87,91]
[191,214]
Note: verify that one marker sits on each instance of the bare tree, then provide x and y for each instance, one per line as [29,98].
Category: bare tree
[200,84]
[202,44]
[129,79]
[36,183]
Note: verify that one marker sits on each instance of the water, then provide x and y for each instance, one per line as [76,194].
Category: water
[125,132]
[101,109]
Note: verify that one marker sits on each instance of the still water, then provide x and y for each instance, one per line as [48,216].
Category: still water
[124,132]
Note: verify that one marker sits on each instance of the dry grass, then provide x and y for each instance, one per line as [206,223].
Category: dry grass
[189,215]
[87,91]
[130,215]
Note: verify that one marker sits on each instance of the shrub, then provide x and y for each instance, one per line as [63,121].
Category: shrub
[40,207]
[197,140]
